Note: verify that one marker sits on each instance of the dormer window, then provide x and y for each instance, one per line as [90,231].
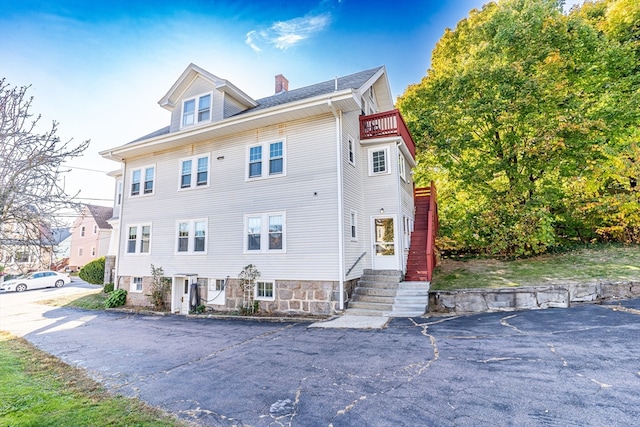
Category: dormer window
[191,116]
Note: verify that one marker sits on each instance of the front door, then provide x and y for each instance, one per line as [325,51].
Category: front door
[385,251]
[180,295]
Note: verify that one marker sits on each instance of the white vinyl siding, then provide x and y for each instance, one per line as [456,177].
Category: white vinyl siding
[308,196]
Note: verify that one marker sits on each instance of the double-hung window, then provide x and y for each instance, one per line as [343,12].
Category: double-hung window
[266,160]
[265,232]
[136,284]
[378,161]
[353,220]
[139,239]
[196,110]
[194,172]
[402,167]
[142,180]
[351,150]
[191,236]
[264,290]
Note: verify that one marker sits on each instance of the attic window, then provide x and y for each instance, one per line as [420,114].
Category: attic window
[190,116]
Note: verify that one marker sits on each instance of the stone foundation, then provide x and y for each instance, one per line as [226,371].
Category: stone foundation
[528,298]
[290,297]
[136,299]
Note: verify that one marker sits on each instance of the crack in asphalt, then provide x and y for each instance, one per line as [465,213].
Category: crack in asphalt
[418,369]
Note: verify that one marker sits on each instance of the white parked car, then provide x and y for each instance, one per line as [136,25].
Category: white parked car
[39,279]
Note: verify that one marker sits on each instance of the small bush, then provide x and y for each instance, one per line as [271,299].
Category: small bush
[93,272]
[116,298]
[160,287]
[108,288]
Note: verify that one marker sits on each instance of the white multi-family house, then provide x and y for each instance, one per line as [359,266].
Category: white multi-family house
[312,186]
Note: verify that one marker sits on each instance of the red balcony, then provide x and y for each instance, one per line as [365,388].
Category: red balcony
[389,123]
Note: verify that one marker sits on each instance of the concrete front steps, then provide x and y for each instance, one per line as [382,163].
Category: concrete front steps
[382,293]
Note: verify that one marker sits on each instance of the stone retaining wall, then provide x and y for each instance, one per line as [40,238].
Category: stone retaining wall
[528,298]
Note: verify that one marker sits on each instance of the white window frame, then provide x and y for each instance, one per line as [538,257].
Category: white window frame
[80,251]
[351,150]
[143,181]
[265,160]
[133,286]
[256,289]
[196,110]
[353,225]
[194,172]
[138,240]
[191,237]
[217,285]
[371,152]
[264,233]
[402,167]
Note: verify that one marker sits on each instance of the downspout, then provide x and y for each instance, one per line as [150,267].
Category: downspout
[341,267]
[400,212]
[118,253]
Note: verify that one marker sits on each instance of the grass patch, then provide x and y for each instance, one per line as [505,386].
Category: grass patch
[37,389]
[90,300]
[599,263]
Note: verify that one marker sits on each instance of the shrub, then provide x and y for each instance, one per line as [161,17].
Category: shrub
[160,287]
[116,298]
[108,288]
[93,272]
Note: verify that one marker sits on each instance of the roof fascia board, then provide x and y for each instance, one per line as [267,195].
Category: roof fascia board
[345,99]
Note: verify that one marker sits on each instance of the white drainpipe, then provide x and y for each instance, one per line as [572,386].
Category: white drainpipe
[341,267]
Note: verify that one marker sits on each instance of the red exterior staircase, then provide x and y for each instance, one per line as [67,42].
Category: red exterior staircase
[422,258]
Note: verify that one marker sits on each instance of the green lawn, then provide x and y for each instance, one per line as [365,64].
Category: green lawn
[600,263]
[39,390]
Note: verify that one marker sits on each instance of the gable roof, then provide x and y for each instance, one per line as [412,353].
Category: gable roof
[341,93]
[101,214]
[353,81]
[187,77]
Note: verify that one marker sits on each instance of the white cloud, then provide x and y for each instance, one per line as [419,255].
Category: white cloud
[285,34]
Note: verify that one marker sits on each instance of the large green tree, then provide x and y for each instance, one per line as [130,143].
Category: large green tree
[515,109]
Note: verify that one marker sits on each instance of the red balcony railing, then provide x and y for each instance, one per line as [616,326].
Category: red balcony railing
[389,123]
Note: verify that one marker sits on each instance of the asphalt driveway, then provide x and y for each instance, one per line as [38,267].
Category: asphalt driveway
[577,366]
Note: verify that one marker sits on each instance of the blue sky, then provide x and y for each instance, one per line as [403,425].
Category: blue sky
[100,67]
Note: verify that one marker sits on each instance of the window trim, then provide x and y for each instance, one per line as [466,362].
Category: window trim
[193,184]
[191,236]
[402,166]
[132,285]
[196,110]
[351,150]
[138,242]
[265,160]
[143,181]
[264,298]
[264,231]
[387,169]
[353,225]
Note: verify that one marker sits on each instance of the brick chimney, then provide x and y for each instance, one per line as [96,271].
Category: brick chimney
[282,84]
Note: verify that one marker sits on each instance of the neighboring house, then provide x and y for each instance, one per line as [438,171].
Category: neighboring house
[61,239]
[311,185]
[90,235]
[24,248]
